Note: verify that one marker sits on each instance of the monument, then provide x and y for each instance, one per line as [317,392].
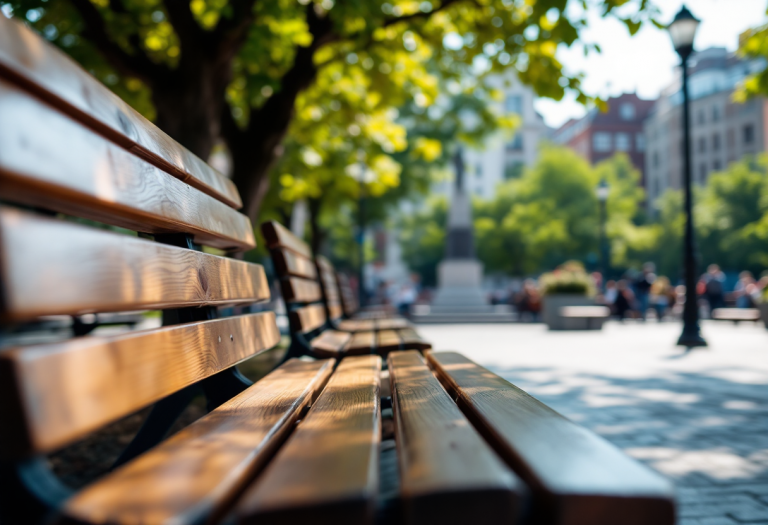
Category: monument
[460,296]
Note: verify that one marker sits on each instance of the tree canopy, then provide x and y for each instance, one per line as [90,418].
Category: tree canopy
[334,75]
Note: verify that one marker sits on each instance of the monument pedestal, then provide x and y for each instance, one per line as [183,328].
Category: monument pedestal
[460,297]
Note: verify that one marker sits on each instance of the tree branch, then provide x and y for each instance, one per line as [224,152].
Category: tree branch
[419,14]
[137,64]
[183,21]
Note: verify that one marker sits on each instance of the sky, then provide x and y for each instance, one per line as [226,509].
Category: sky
[645,62]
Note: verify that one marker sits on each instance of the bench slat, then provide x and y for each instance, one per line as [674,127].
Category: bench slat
[330,343]
[290,263]
[298,290]
[411,340]
[361,343]
[334,311]
[448,474]
[348,298]
[354,325]
[327,472]
[576,476]
[277,235]
[387,340]
[40,68]
[48,160]
[308,318]
[199,470]
[50,267]
[71,388]
[393,323]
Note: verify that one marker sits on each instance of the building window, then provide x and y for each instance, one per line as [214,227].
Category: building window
[622,142]
[601,141]
[716,142]
[640,142]
[702,145]
[715,113]
[516,144]
[513,170]
[749,134]
[703,173]
[514,104]
[627,111]
[716,165]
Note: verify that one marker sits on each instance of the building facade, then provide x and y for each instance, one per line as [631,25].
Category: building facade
[722,131]
[599,135]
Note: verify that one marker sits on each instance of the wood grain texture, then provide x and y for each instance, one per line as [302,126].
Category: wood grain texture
[307,318]
[289,263]
[577,477]
[327,472]
[356,325]
[410,340]
[330,343]
[40,68]
[50,267]
[347,295]
[68,389]
[276,235]
[334,311]
[194,474]
[387,340]
[296,290]
[49,160]
[327,280]
[448,474]
[361,343]
[393,323]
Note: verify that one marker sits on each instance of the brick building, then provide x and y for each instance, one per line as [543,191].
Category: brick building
[598,136]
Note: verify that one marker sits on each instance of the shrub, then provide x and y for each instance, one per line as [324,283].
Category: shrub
[570,278]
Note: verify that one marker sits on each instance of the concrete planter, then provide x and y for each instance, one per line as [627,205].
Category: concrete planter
[764,313]
[551,312]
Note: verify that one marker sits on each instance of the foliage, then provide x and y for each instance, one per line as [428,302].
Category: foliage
[550,215]
[753,43]
[330,75]
[422,238]
[569,278]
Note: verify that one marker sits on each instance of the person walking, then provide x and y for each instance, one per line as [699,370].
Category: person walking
[642,287]
[714,287]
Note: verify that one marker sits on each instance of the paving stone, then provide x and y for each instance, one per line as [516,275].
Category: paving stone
[700,418]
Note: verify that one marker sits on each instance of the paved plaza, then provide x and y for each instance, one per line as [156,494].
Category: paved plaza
[700,418]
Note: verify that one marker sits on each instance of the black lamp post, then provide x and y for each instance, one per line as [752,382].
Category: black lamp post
[682,30]
[602,192]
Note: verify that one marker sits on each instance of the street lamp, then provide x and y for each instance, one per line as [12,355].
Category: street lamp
[602,192]
[682,31]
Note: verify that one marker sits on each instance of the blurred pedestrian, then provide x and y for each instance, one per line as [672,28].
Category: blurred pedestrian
[625,298]
[661,293]
[745,290]
[529,302]
[642,287]
[714,287]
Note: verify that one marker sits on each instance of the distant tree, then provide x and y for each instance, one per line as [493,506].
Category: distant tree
[241,71]
[422,238]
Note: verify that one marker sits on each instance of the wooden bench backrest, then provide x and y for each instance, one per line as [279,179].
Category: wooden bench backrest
[347,294]
[303,281]
[69,146]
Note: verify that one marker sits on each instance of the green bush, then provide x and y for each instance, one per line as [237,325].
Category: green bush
[569,279]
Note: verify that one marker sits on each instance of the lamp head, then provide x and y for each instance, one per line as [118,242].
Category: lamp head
[682,31]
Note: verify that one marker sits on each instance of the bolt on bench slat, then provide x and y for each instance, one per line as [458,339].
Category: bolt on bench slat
[100,271]
[59,392]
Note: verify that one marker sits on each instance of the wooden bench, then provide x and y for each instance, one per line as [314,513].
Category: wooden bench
[311,441]
[736,314]
[315,313]
[351,305]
